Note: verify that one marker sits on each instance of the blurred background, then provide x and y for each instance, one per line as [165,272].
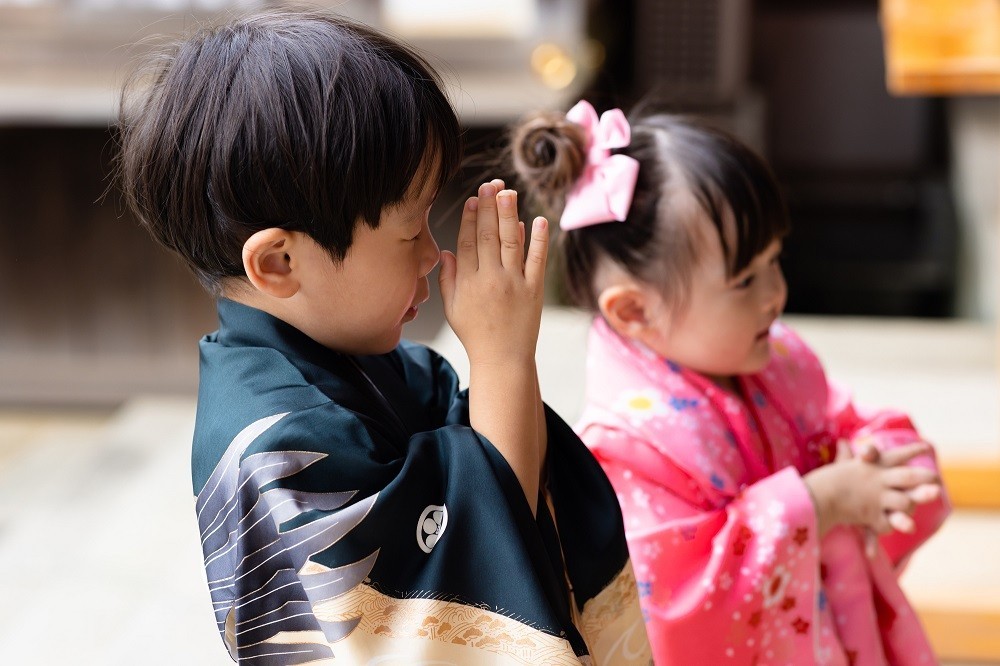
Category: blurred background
[881,120]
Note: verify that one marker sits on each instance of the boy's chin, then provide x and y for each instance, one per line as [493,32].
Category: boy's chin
[381,348]
[371,347]
[386,346]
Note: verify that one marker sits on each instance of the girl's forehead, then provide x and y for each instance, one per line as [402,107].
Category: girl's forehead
[704,235]
[710,258]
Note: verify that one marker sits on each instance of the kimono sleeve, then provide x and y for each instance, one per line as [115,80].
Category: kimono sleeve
[325,537]
[720,580]
[887,429]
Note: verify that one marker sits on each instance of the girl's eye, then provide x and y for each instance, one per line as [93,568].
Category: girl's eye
[744,283]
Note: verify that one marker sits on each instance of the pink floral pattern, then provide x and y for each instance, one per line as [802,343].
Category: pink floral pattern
[721,528]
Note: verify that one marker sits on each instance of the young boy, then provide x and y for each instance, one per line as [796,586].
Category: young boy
[352,502]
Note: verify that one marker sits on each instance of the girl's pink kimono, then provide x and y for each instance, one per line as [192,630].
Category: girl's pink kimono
[721,528]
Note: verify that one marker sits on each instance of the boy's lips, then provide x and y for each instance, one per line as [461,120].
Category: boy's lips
[411,312]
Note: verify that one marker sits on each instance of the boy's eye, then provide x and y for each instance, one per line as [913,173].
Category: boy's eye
[745,282]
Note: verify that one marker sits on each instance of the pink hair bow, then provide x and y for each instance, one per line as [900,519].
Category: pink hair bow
[604,192]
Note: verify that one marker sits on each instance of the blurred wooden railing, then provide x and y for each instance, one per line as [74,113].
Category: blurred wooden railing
[942,47]
[952,47]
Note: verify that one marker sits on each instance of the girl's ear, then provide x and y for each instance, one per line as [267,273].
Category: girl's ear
[269,261]
[626,308]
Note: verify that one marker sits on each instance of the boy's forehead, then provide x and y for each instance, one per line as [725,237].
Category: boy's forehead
[423,188]
[424,185]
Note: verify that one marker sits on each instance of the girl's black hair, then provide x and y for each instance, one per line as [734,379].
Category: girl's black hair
[299,120]
[679,158]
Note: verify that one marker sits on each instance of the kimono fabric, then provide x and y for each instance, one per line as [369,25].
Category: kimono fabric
[720,524]
[349,513]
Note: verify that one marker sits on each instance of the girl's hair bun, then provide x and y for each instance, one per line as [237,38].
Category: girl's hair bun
[549,155]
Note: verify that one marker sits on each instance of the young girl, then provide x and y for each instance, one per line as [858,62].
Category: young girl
[354,505]
[753,539]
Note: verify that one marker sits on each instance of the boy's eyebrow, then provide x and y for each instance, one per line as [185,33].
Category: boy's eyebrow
[429,197]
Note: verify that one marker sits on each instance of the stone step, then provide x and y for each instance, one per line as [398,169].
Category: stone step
[97,537]
[954,583]
[97,528]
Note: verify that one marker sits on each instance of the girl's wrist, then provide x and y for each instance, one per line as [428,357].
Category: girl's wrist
[823,500]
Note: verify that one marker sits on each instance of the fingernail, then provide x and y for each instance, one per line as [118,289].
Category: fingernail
[541,223]
[505,199]
[487,190]
[472,203]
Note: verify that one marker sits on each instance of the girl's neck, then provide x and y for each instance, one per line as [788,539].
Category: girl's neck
[728,382]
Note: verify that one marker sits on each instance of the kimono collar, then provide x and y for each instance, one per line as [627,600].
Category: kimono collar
[792,386]
[244,326]
[656,369]
[639,358]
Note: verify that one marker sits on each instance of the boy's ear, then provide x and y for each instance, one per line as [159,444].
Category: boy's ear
[626,309]
[268,262]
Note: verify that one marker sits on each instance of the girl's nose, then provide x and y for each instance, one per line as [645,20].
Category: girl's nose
[779,291]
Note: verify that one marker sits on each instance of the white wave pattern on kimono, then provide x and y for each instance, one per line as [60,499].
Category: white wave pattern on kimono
[720,525]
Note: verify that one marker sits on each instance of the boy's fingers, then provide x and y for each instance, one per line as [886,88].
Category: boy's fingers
[488,226]
[446,278]
[467,256]
[538,252]
[510,232]
[520,224]
[903,454]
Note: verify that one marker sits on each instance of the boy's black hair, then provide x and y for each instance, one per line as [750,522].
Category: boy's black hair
[299,120]
[679,158]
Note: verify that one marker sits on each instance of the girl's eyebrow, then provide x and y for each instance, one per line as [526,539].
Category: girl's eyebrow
[739,277]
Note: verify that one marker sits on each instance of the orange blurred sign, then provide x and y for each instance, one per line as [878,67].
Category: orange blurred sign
[942,47]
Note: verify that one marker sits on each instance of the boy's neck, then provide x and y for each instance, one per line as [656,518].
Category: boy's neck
[253,298]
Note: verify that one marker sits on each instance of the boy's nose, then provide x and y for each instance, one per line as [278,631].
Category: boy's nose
[432,254]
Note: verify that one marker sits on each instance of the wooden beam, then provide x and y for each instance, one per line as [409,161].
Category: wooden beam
[963,634]
[941,47]
[973,485]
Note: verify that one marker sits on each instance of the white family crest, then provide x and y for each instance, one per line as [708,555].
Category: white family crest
[431,526]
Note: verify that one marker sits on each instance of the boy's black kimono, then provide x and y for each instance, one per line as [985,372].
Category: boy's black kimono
[348,511]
